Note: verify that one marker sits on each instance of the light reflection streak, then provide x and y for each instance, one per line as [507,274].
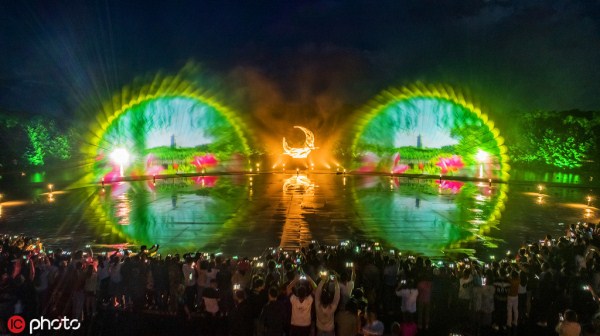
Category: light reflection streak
[296,232]
[123,208]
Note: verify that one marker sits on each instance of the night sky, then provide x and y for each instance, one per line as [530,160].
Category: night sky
[303,60]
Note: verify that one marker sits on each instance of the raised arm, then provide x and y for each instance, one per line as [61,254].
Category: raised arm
[311,282]
[336,294]
[290,286]
[318,292]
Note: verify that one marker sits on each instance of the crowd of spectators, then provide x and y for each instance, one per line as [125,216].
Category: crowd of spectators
[546,287]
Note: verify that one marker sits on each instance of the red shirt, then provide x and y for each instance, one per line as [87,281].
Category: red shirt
[424,287]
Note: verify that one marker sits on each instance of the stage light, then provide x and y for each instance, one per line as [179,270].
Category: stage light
[50,187]
[481,157]
[121,157]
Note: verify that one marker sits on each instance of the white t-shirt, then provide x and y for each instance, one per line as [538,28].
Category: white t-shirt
[301,311]
[409,299]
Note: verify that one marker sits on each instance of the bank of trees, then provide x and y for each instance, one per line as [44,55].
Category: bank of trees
[33,141]
[565,140]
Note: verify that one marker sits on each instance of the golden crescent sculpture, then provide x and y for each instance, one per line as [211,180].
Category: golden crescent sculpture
[300,152]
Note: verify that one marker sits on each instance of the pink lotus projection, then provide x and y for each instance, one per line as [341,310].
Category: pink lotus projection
[113,175]
[369,163]
[151,167]
[206,181]
[451,164]
[204,161]
[398,168]
[453,186]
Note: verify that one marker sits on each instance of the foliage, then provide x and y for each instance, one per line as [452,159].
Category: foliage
[560,139]
[46,142]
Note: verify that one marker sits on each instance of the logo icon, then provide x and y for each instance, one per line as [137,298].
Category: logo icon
[16,324]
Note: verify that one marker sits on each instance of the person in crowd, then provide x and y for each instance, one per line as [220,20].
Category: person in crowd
[424,298]
[78,279]
[593,328]
[299,292]
[404,329]
[273,316]
[257,298]
[202,281]
[90,287]
[243,276]
[346,282]
[326,304]
[189,280]
[568,325]
[373,326]
[483,301]
[160,281]
[512,300]
[408,293]
[371,278]
[347,320]
[501,286]
[115,286]
[240,318]
[390,280]
[465,294]
[103,275]
[273,276]
[550,275]
[43,270]
[175,279]
[524,292]
[210,298]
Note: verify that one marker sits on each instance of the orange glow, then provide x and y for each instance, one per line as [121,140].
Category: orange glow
[300,152]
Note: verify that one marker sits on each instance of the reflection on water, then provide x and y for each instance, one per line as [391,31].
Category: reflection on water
[237,213]
[299,191]
[428,216]
[551,176]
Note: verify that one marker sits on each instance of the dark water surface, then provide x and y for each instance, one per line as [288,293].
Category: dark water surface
[244,214]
